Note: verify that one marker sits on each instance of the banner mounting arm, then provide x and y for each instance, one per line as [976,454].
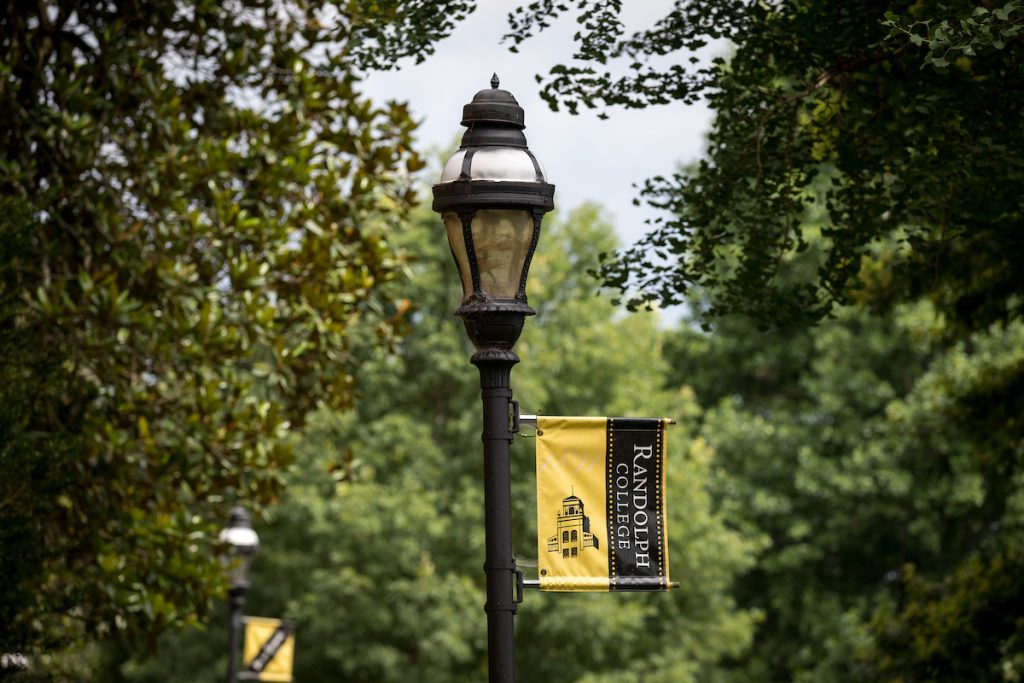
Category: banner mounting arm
[532,420]
[535,584]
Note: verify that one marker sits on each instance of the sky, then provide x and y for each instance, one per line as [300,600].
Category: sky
[585,157]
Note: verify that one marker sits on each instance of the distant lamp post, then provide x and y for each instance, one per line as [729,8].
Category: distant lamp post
[243,541]
[492,196]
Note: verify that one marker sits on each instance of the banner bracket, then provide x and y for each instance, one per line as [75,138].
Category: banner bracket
[532,419]
[535,584]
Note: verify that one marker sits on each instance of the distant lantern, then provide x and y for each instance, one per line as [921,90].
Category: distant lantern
[243,542]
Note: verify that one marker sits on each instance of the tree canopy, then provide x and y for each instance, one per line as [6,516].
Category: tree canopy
[884,466]
[195,200]
[908,112]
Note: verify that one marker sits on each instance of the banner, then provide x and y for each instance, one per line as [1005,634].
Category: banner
[601,504]
[268,650]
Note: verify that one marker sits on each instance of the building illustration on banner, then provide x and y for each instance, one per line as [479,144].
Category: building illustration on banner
[573,531]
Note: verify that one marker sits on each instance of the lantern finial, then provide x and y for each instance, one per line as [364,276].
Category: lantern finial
[494,81]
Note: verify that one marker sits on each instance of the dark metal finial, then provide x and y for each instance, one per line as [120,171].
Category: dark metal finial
[240,518]
[494,106]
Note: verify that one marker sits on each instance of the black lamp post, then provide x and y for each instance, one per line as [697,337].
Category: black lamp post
[243,541]
[492,196]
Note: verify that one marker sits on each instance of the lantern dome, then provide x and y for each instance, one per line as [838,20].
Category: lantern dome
[494,147]
[239,534]
[494,163]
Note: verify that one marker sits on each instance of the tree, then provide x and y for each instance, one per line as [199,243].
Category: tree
[884,466]
[909,112]
[375,548]
[196,202]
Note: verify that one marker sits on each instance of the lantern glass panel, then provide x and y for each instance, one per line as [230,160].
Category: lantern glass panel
[453,224]
[238,569]
[501,240]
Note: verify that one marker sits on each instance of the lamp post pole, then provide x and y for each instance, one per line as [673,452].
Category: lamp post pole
[242,542]
[236,602]
[500,566]
[492,196]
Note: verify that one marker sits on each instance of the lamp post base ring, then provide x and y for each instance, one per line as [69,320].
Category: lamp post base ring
[474,307]
[489,356]
[501,607]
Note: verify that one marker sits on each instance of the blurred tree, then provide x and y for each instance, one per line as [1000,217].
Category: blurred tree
[885,467]
[375,548]
[909,110]
[198,199]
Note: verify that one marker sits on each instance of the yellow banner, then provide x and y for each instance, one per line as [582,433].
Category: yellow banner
[268,650]
[601,504]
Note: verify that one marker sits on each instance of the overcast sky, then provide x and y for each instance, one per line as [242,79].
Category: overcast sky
[585,157]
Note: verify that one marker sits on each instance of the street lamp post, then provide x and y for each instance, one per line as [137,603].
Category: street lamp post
[492,196]
[243,541]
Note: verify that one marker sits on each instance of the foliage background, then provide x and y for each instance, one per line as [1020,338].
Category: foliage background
[195,201]
[205,301]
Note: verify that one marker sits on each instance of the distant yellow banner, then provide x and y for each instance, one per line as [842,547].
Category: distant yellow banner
[268,651]
[601,504]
